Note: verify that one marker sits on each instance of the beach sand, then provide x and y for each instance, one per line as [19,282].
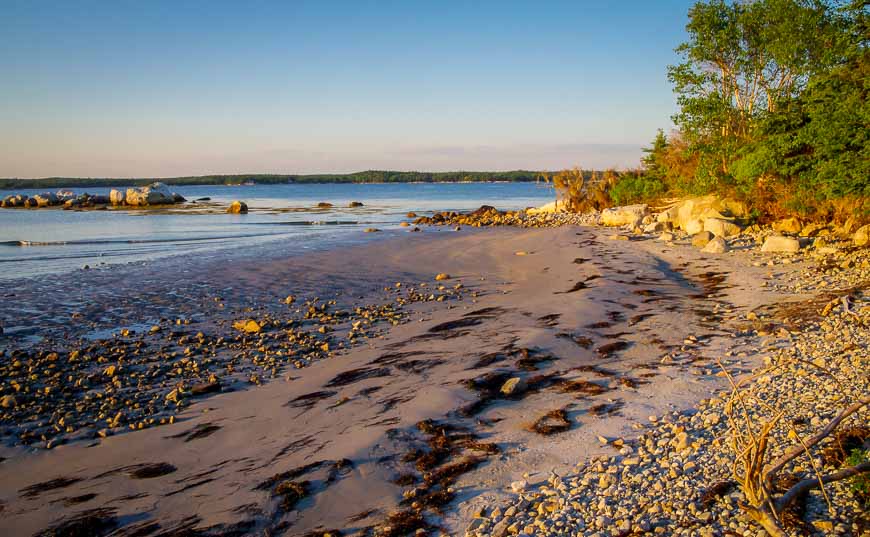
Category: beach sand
[557,308]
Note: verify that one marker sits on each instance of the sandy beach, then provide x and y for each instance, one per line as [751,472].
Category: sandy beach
[583,322]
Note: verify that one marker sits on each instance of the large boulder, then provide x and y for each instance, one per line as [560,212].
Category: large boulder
[780,244]
[690,215]
[716,246]
[117,197]
[862,236]
[153,194]
[238,207]
[788,225]
[721,227]
[628,215]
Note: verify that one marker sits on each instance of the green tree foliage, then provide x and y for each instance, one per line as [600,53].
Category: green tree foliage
[773,104]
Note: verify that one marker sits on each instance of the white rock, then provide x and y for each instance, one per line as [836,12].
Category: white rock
[778,243]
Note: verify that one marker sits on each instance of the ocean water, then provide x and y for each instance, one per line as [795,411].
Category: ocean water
[50,241]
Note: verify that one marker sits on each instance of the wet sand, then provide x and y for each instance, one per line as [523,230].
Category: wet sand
[602,333]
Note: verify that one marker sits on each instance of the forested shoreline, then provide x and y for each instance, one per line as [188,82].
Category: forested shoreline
[370,176]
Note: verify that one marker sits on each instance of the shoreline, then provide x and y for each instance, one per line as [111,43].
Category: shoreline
[553,325]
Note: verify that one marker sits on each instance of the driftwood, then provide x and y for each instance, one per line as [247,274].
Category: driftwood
[756,476]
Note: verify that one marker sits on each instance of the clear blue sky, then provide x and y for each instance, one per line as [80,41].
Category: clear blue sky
[147,88]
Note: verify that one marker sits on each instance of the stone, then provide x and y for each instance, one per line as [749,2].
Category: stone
[721,228]
[778,243]
[153,194]
[788,225]
[656,227]
[666,237]
[700,239]
[716,246]
[117,197]
[862,236]
[45,199]
[238,207]
[371,230]
[693,226]
[519,486]
[247,325]
[628,215]
[513,386]
[442,276]
[8,401]
[355,204]
[324,205]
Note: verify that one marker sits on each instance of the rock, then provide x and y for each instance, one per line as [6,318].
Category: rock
[116,197]
[862,236]
[238,207]
[629,215]
[656,227]
[153,194]
[700,239]
[778,243]
[324,205]
[513,386]
[290,299]
[8,401]
[46,199]
[693,226]
[371,230]
[716,246]
[721,227]
[691,213]
[354,204]
[64,195]
[411,215]
[178,198]
[666,237]
[788,225]
[519,486]
[549,208]
[811,230]
[247,325]
[442,276]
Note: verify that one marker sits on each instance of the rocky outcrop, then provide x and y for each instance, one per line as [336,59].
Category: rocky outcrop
[780,244]
[629,215]
[153,194]
[238,207]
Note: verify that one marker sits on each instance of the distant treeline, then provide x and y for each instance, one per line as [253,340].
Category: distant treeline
[371,176]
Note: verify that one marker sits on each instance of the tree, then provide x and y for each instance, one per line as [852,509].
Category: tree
[740,62]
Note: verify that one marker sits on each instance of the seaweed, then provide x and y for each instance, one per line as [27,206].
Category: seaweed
[35,490]
[91,523]
[355,375]
[553,422]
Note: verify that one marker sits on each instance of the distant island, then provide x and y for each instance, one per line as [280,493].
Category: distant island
[370,176]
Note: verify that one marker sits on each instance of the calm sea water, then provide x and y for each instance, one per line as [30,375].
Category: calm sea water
[59,241]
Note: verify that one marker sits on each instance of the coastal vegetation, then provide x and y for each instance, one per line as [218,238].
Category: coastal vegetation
[369,176]
[773,111]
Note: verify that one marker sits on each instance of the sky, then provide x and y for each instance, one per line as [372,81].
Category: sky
[160,89]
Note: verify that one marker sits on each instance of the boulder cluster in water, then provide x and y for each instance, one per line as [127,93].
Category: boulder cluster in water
[153,194]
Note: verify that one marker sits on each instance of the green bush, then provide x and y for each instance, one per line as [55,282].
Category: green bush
[636,188]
